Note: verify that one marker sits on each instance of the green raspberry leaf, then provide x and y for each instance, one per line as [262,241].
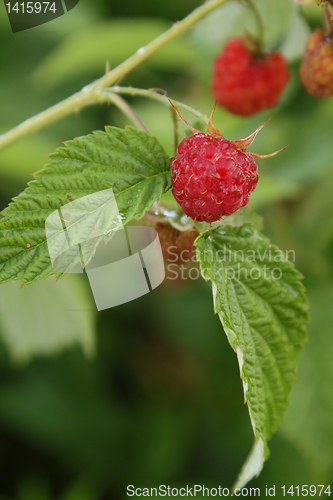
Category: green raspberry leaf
[129,161]
[261,303]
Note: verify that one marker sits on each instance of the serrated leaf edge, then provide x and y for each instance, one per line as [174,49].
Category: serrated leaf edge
[255,461]
[260,451]
[55,154]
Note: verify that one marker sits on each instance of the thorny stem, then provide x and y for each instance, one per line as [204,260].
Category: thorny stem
[85,97]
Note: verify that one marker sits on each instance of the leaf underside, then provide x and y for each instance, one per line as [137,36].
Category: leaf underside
[129,161]
[46,318]
[261,303]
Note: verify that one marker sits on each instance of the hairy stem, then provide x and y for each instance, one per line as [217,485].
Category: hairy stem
[176,134]
[154,94]
[127,110]
[86,96]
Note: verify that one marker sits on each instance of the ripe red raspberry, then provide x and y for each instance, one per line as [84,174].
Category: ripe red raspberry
[317,68]
[245,83]
[212,176]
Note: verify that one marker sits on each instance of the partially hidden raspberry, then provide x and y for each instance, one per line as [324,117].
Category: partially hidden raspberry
[317,68]
[243,82]
[212,176]
[177,246]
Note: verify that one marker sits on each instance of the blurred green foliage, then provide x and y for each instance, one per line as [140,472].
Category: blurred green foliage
[161,401]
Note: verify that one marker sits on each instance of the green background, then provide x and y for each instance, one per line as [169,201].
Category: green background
[149,392]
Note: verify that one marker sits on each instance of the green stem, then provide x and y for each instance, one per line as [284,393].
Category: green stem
[85,97]
[176,134]
[126,109]
[151,94]
[259,21]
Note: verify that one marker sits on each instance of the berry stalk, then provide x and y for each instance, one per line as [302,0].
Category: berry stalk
[260,24]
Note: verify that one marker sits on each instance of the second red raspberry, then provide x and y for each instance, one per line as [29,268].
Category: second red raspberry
[244,83]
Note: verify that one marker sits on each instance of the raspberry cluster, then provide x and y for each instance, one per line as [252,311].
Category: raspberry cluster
[243,82]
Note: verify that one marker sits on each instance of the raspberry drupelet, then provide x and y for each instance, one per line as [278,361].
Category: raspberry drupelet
[212,176]
[245,82]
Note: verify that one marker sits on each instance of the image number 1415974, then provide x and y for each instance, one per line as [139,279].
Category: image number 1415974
[28,14]
[31,7]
